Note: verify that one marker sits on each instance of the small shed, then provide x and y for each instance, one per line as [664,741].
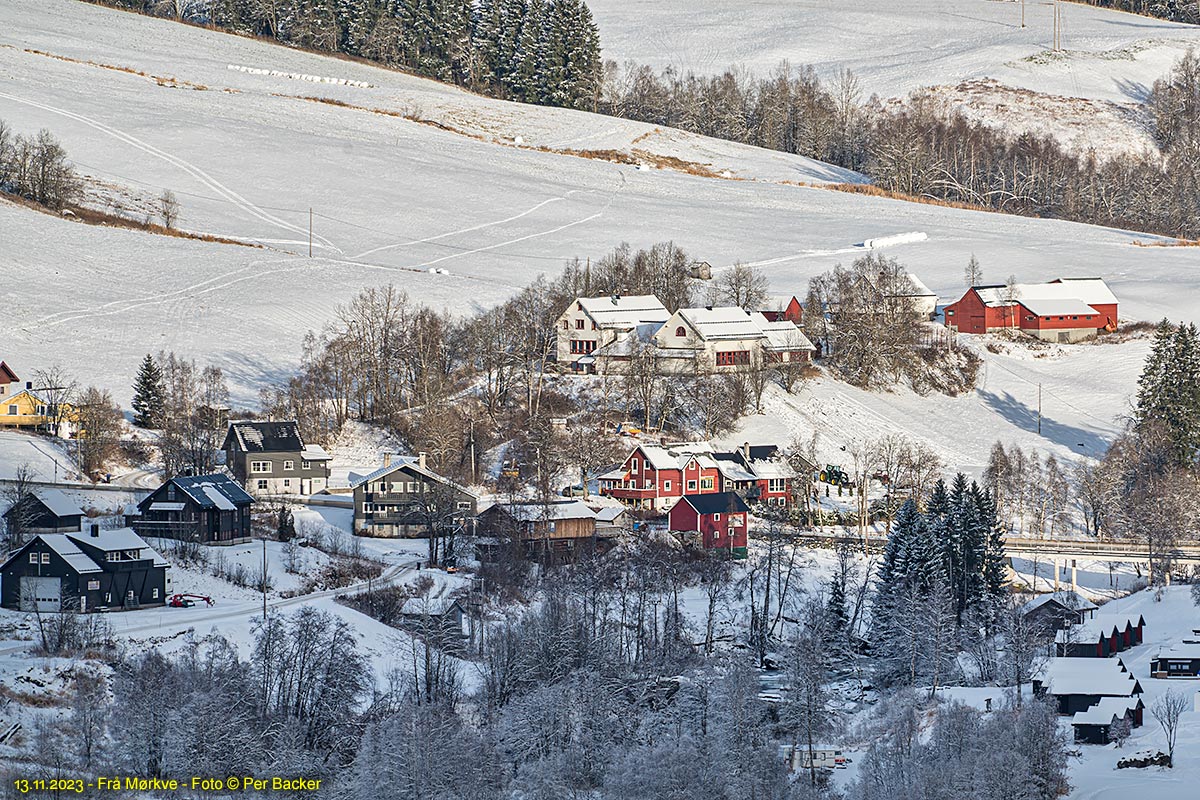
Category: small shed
[44,511]
[1094,726]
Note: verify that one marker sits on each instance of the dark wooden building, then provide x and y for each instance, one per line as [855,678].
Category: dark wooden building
[271,458]
[44,511]
[1101,636]
[1058,610]
[405,498]
[211,509]
[1095,725]
[557,530]
[1077,684]
[1181,661]
[713,521]
[92,570]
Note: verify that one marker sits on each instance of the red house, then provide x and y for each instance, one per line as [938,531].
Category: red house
[716,521]
[1063,310]
[9,382]
[655,478]
[783,308]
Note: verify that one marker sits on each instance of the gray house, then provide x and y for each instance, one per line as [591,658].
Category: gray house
[271,458]
[404,498]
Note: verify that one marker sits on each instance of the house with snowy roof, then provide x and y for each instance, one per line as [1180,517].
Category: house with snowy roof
[592,323]
[555,530]
[44,511]
[1077,684]
[655,477]
[1180,661]
[728,338]
[90,570]
[719,521]
[1096,725]
[1062,310]
[9,382]
[210,509]
[272,458]
[404,498]
[1056,610]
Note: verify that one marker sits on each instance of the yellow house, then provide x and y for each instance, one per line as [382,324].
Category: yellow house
[27,410]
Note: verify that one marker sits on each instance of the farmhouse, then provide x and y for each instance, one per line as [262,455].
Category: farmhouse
[717,521]
[1101,636]
[29,410]
[87,571]
[210,509]
[591,323]
[1095,725]
[783,308]
[1180,661]
[271,458]
[727,339]
[44,511]
[1063,310]
[405,498]
[654,478]
[557,530]
[1077,684]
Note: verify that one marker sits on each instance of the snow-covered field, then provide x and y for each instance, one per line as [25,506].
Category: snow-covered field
[396,198]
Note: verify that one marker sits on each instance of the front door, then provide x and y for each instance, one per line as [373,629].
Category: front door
[306,486]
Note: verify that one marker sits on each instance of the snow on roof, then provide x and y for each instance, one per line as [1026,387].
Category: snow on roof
[619,311]
[1068,598]
[773,468]
[314,452]
[660,457]
[196,487]
[1186,650]
[1105,677]
[70,552]
[218,499]
[919,289]
[267,437]
[58,503]
[783,334]
[1090,291]
[1102,624]
[535,512]
[1066,306]
[110,540]
[412,463]
[1105,711]
[166,506]
[609,513]
[431,606]
[726,322]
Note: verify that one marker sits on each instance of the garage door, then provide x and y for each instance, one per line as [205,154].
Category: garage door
[41,594]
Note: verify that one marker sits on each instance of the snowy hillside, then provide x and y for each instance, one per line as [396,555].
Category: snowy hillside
[1108,62]
[395,199]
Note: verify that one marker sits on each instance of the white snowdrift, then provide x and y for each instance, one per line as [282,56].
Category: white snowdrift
[297,76]
[895,239]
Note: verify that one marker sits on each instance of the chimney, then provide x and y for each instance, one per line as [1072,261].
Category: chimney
[387,459]
[746,451]
[421,460]
[95,526]
[29,385]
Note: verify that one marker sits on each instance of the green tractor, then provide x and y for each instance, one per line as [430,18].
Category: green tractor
[834,475]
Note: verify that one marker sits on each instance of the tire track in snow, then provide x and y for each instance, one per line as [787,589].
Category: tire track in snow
[481,226]
[176,161]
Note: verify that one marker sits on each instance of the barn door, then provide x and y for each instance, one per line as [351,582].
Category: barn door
[41,594]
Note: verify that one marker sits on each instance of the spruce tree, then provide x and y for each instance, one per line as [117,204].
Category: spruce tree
[149,395]
[837,605]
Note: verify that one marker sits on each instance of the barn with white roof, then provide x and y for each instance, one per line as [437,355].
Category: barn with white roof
[1063,310]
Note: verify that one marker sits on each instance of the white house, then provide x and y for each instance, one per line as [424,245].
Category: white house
[727,338]
[591,323]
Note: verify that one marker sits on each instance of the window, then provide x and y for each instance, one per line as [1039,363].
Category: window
[706,483]
[583,346]
[1046,319]
[950,312]
[1075,317]
[287,483]
[108,597]
[260,466]
[41,410]
[111,556]
[305,465]
[730,358]
[578,324]
[45,558]
[412,487]
[93,586]
[777,485]
[262,485]
[593,326]
[463,506]
[566,325]
[33,558]
[633,465]
[691,486]
[171,492]
[154,593]
[12,410]
[716,517]
[680,332]
[289,466]
[666,486]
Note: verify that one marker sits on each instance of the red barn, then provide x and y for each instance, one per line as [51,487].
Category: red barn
[1063,310]
[783,308]
[719,521]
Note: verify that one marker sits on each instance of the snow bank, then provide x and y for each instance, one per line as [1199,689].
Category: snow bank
[895,239]
[297,76]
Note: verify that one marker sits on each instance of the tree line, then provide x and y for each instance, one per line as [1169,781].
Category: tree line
[918,148]
[534,51]
[36,168]
[1174,10]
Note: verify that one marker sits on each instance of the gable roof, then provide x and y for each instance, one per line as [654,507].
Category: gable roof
[536,512]
[717,503]
[724,322]
[1108,709]
[1105,677]
[266,437]
[54,501]
[411,463]
[624,312]
[1087,291]
[1068,599]
[6,374]
[67,548]
[209,491]
[1101,625]
[782,334]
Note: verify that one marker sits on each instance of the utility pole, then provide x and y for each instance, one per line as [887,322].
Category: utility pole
[1022,13]
[310,231]
[1057,26]
[1039,409]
